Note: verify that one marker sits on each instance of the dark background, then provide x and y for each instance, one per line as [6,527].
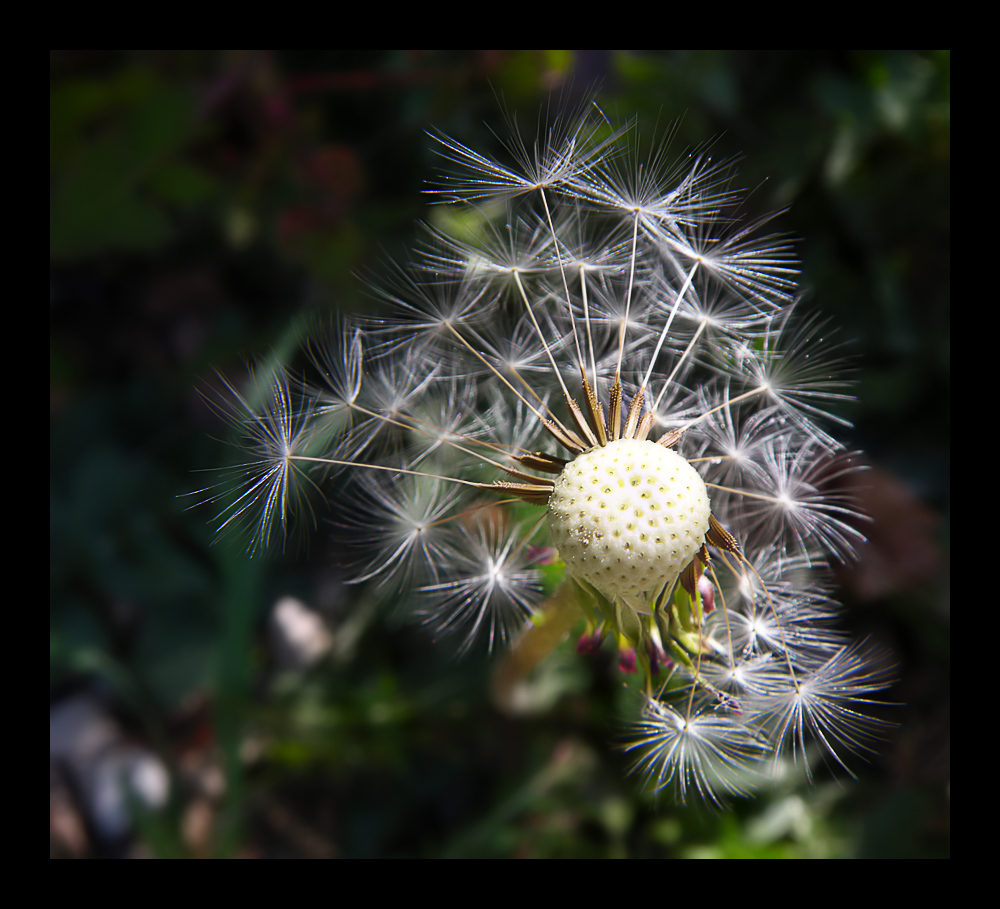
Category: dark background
[204,206]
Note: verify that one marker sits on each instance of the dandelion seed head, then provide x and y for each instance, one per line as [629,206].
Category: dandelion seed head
[607,386]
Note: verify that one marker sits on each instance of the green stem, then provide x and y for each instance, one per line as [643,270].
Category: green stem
[550,627]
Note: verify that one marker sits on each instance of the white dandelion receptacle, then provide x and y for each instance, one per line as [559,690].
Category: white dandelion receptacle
[628,518]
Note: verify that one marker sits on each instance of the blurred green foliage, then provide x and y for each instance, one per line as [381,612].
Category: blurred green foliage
[204,204]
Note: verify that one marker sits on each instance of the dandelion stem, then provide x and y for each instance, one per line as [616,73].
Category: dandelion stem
[747,394]
[562,272]
[586,319]
[666,330]
[551,625]
[503,378]
[677,365]
[538,329]
[628,295]
[413,473]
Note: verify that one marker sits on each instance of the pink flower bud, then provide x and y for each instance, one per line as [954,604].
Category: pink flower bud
[707,590]
[542,555]
[626,659]
[658,659]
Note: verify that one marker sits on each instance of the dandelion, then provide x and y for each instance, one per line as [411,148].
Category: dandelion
[606,407]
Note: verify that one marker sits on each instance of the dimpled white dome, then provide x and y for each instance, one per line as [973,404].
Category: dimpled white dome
[628,518]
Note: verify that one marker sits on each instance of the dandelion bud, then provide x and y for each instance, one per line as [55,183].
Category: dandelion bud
[658,659]
[542,555]
[626,657]
[706,589]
